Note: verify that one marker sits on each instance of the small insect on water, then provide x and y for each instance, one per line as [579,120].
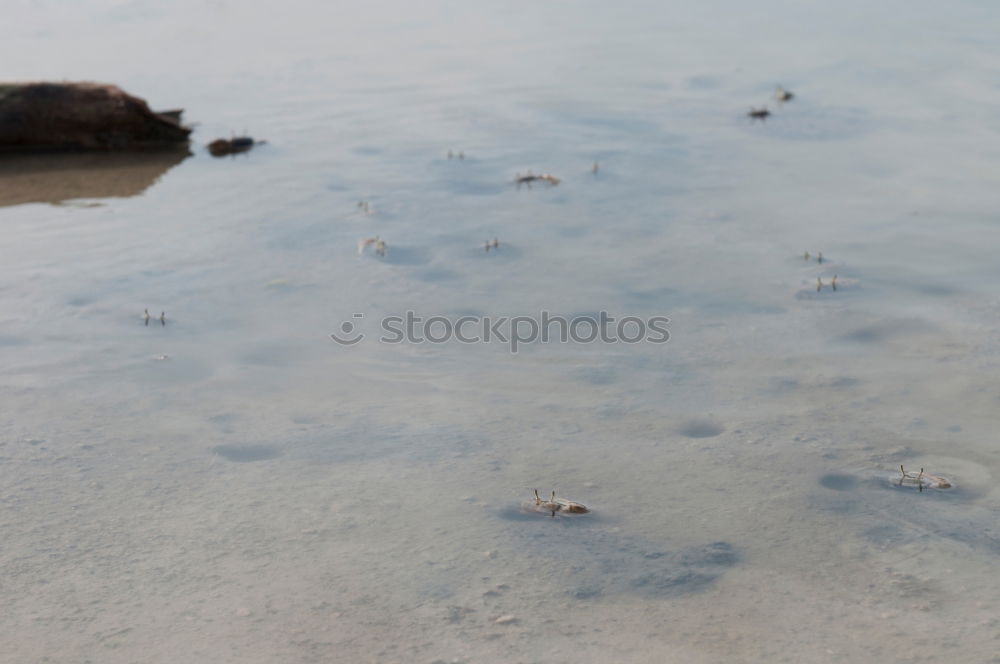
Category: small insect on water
[921,480]
[758,113]
[555,505]
[377,242]
[146,317]
[783,95]
[529,178]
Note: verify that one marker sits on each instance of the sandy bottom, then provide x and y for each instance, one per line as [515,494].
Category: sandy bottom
[234,487]
[721,537]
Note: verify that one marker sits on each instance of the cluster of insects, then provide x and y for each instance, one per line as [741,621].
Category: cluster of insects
[781,95]
[528,179]
[832,283]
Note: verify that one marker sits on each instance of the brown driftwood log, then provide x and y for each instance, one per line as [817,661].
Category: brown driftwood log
[82,116]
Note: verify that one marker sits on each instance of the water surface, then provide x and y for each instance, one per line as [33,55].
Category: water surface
[233,486]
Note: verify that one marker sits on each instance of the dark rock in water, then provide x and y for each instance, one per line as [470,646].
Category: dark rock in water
[82,116]
[222,147]
[174,114]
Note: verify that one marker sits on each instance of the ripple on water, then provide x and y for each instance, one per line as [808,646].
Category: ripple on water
[838,481]
[700,429]
[597,561]
[247,453]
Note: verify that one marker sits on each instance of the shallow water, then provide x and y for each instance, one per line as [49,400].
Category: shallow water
[234,486]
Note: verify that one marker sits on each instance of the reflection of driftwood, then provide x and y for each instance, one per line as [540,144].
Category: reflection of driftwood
[82,116]
[53,178]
